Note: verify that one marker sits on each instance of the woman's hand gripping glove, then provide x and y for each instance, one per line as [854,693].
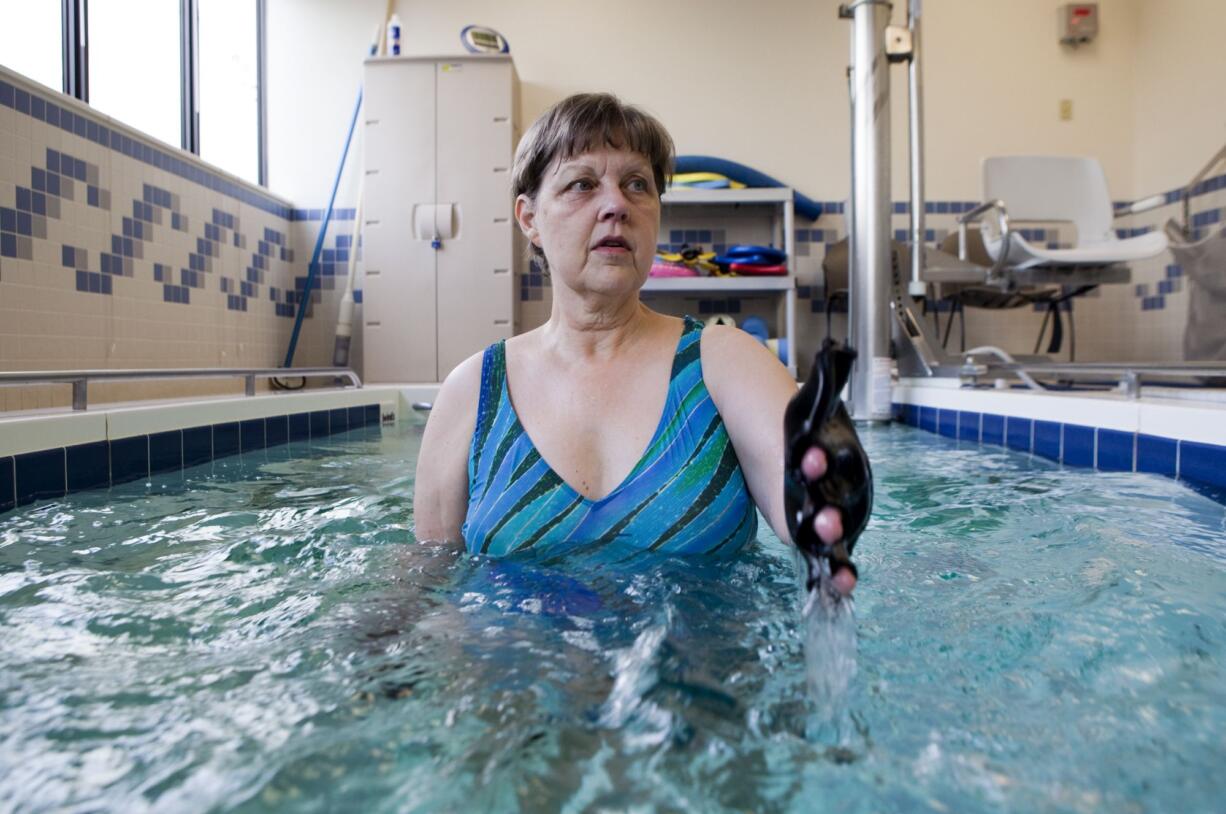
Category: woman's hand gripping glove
[816,417]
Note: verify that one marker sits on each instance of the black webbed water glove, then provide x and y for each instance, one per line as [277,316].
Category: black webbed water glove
[816,417]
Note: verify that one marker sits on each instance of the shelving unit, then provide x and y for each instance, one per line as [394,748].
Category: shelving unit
[718,285]
[756,216]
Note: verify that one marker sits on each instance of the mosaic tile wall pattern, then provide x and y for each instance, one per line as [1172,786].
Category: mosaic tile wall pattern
[118,252]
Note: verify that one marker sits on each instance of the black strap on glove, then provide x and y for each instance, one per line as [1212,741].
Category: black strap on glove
[817,417]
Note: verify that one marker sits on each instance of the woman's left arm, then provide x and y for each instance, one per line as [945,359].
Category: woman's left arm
[751,390]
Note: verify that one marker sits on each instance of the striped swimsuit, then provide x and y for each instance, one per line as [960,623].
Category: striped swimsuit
[686,495]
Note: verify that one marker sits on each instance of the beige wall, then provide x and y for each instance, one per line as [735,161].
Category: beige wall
[761,83]
[1180,91]
[47,322]
[994,76]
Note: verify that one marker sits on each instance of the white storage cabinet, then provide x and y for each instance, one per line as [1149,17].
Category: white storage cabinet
[440,247]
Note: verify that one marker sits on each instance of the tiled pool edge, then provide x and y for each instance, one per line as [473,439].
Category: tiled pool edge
[54,473]
[59,454]
[1122,445]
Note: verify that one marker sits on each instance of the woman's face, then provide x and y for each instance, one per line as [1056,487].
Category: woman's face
[596,216]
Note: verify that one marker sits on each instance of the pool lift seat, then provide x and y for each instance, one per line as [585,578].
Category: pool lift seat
[1053,189]
[997,267]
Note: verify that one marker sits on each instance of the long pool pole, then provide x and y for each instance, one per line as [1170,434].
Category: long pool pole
[319,239]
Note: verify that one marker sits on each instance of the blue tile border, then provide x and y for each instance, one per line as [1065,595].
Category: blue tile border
[1047,437]
[197,446]
[89,466]
[40,475]
[52,473]
[129,459]
[1018,432]
[1202,462]
[1115,450]
[226,440]
[1157,455]
[300,427]
[276,430]
[57,110]
[166,452]
[1078,445]
[992,429]
[1100,448]
[251,435]
[8,484]
[338,418]
[968,426]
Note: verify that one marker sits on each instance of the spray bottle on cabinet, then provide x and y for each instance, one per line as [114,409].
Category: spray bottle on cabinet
[393,35]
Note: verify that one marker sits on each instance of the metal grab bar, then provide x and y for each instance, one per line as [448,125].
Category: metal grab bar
[79,379]
[1127,375]
[1006,233]
[1186,192]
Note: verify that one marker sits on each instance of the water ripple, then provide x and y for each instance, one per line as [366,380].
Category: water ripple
[263,633]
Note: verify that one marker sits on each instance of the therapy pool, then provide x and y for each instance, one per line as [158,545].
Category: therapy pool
[263,633]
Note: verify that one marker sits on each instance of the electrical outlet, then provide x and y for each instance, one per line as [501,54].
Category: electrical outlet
[1066,110]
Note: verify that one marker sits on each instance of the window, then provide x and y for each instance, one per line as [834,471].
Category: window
[134,65]
[137,72]
[31,40]
[229,87]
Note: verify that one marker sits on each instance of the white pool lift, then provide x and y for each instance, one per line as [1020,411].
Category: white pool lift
[1054,189]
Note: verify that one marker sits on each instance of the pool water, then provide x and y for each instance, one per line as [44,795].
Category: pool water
[264,634]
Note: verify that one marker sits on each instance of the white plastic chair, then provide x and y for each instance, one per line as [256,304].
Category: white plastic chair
[1048,189]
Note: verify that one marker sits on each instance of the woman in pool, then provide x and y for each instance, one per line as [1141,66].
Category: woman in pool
[610,423]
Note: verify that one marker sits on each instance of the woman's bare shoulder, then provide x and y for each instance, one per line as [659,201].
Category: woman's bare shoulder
[460,391]
[727,346]
[733,360]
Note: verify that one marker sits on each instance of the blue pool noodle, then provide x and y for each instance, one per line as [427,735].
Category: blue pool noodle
[748,176]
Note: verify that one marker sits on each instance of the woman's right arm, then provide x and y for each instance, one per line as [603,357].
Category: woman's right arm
[440,491]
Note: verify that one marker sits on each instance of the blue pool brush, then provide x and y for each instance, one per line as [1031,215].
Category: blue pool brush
[817,417]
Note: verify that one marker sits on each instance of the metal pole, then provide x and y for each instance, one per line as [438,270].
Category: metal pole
[915,86]
[189,75]
[849,216]
[75,29]
[870,220]
[261,89]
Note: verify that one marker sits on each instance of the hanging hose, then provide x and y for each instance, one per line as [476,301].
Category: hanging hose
[962,328]
[344,317]
[1038,343]
[313,267]
[1021,374]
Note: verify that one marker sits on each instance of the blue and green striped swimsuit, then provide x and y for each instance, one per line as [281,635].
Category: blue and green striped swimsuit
[686,495]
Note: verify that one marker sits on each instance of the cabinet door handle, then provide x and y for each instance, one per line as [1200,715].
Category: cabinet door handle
[436,221]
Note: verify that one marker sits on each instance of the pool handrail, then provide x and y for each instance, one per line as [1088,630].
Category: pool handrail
[1189,190]
[1127,375]
[79,379]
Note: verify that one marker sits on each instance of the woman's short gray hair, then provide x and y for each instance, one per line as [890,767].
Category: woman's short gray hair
[584,122]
